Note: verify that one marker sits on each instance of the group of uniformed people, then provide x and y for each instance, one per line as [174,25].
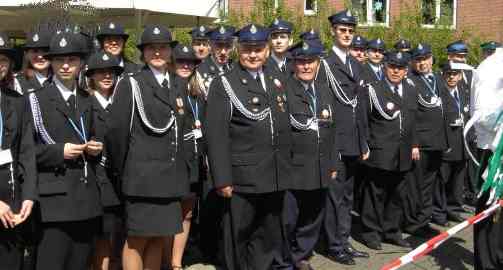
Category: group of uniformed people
[106,163]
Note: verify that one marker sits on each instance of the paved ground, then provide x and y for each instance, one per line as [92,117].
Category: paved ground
[455,254]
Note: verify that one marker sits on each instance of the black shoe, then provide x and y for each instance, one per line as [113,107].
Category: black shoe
[355,253]
[426,232]
[303,265]
[441,223]
[455,218]
[341,257]
[373,245]
[398,242]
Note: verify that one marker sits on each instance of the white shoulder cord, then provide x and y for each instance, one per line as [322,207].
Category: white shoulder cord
[11,181]
[137,99]
[298,125]
[377,105]
[240,107]
[135,89]
[337,89]
[422,101]
[235,102]
[38,120]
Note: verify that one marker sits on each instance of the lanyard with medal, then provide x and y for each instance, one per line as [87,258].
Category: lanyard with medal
[197,123]
[6,157]
[82,134]
[313,106]
[433,90]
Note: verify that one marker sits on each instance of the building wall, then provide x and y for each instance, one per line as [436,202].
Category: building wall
[481,16]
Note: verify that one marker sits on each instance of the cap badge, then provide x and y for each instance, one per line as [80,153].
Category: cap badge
[2,42]
[185,49]
[276,21]
[35,38]
[399,55]
[105,57]
[111,26]
[358,38]
[222,30]
[312,32]
[390,106]
[305,46]
[420,46]
[348,13]
[156,31]
[403,42]
[201,29]
[379,41]
[253,29]
[63,43]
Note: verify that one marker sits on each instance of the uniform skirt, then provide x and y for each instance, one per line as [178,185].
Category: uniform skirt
[153,216]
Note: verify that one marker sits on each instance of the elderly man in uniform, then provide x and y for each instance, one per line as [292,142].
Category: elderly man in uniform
[432,139]
[315,156]
[249,148]
[393,147]
[342,72]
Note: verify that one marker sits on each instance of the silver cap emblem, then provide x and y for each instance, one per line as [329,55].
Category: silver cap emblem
[420,46]
[276,21]
[105,57]
[63,43]
[202,29]
[156,31]
[111,26]
[222,30]
[348,13]
[399,55]
[2,42]
[35,38]
[253,29]
[305,46]
[185,49]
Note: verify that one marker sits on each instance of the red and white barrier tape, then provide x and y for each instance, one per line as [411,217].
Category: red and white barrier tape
[436,241]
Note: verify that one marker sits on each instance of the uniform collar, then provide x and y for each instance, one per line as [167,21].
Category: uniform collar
[104,102]
[40,78]
[374,67]
[392,87]
[65,92]
[342,54]
[255,73]
[160,76]
[279,62]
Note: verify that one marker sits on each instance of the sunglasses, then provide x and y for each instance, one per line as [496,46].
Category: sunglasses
[345,30]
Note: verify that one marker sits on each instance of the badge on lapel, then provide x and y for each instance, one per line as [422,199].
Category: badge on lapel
[281,103]
[390,106]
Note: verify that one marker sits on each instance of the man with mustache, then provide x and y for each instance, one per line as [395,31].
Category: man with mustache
[393,146]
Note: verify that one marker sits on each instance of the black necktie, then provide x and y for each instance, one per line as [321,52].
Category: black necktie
[71,102]
[396,90]
[259,81]
[165,83]
[312,97]
[456,97]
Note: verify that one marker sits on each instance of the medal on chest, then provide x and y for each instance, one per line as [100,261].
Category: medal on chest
[179,105]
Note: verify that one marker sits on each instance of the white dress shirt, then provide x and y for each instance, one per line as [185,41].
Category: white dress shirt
[40,78]
[341,53]
[65,92]
[104,102]
[159,76]
[254,74]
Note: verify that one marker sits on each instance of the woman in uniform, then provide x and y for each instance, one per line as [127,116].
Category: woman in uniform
[17,164]
[185,65]
[113,38]
[144,145]
[36,69]
[103,71]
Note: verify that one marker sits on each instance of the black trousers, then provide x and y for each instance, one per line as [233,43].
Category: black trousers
[472,177]
[253,236]
[382,205]
[304,211]
[11,251]
[211,214]
[67,245]
[448,191]
[339,203]
[488,234]
[425,176]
